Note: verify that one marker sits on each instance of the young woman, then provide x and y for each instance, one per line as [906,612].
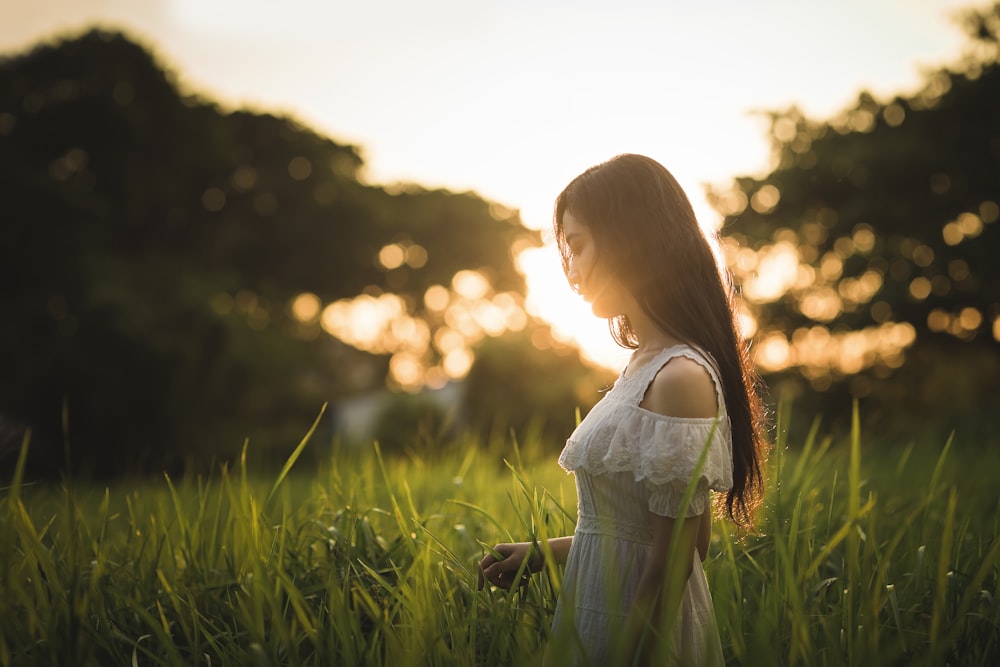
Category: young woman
[683,419]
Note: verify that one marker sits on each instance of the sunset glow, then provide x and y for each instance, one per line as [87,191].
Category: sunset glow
[550,298]
[493,122]
[425,349]
[819,351]
[433,344]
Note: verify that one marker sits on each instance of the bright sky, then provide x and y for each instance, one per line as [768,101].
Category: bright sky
[513,98]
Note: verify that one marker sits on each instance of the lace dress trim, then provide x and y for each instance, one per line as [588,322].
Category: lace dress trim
[658,450]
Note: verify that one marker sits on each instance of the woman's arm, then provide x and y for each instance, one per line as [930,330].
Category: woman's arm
[500,566]
[682,388]
[705,532]
[652,616]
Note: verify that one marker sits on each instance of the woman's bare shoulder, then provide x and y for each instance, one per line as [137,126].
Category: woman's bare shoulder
[682,388]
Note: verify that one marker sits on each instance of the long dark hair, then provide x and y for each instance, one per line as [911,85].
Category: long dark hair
[646,232]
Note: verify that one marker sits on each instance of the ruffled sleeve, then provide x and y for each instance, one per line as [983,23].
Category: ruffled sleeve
[668,499]
[659,451]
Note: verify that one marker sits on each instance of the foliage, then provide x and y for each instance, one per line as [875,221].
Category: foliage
[412,423]
[867,553]
[891,208]
[151,244]
[536,392]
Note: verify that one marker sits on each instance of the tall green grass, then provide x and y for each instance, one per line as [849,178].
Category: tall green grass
[891,563]
[864,556]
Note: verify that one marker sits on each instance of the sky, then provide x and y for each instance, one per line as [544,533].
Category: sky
[513,98]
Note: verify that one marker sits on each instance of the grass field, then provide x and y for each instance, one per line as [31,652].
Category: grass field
[866,554]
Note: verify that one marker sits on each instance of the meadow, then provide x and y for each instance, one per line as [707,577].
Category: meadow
[866,553]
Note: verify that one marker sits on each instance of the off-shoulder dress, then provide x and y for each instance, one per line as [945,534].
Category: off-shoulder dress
[629,461]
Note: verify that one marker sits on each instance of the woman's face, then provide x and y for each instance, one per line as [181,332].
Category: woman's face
[588,274]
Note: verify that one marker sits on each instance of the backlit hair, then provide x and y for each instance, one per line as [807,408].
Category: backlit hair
[646,233]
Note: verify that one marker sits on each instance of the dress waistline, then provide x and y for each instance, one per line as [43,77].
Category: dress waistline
[603,526]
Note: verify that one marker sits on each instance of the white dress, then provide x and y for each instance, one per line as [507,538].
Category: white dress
[629,461]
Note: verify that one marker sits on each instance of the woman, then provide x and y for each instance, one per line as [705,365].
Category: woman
[682,420]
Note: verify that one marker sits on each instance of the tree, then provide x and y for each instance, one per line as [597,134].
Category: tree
[518,386]
[164,263]
[866,253]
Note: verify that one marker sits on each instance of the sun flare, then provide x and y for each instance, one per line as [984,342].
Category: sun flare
[551,299]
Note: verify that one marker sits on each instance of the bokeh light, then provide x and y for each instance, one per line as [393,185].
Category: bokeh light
[777,270]
[429,346]
[305,307]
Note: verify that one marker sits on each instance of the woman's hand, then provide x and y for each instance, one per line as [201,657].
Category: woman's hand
[501,564]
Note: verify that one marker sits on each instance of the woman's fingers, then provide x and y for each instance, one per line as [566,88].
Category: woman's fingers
[498,567]
[492,570]
[485,564]
[498,574]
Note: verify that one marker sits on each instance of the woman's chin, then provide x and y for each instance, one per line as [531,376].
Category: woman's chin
[603,312]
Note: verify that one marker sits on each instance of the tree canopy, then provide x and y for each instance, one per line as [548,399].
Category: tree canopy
[168,267]
[866,253]
[178,277]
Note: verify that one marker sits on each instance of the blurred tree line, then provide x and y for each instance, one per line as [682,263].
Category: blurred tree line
[890,213]
[151,246]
